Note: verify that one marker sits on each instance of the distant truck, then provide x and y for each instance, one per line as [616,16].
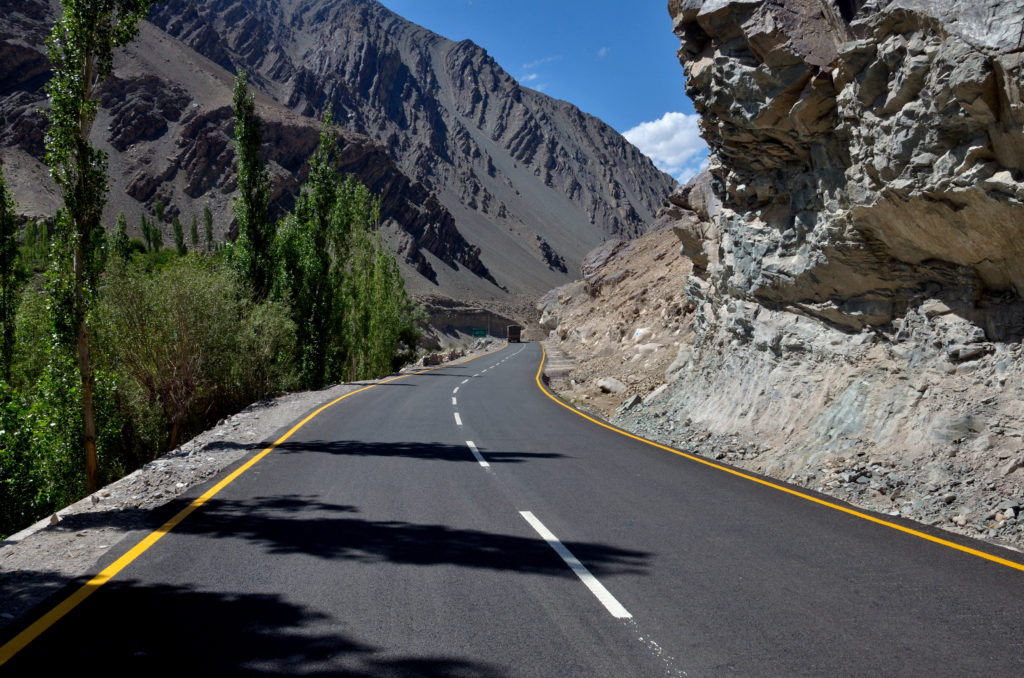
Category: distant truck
[515,333]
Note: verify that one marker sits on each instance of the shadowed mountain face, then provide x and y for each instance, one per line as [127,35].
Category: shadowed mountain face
[492,192]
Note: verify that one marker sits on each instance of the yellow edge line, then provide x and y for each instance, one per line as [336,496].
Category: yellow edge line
[781,488]
[18,643]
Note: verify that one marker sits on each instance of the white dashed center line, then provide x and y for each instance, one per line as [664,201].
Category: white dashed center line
[453,401]
[465,380]
[589,580]
[456,390]
[476,453]
[458,419]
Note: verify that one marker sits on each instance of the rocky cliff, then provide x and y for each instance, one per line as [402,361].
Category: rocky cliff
[853,318]
[492,191]
[865,158]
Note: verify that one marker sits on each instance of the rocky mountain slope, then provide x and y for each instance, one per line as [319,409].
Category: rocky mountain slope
[493,192]
[852,317]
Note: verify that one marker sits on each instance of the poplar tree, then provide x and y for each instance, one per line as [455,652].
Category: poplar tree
[208,226]
[8,278]
[156,235]
[252,254]
[179,237]
[81,51]
[347,296]
[193,233]
[312,248]
[121,244]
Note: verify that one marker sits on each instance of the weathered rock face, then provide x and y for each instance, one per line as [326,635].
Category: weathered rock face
[23,67]
[141,108]
[874,418]
[857,255]
[865,155]
[854,315]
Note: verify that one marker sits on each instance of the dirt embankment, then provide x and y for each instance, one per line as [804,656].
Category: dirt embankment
[936,440]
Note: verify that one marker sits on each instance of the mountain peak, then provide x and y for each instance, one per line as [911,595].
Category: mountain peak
[488,170]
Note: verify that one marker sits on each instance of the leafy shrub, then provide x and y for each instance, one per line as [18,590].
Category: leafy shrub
[32,337]
[188,337]
[265,362]
[18,485]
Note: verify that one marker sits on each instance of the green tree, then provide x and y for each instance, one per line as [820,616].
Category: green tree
[9,278]
[158,210]
[348,299]
[157,234]
[208,226]
[35,249]
[193,233]
[144,229]
[179,237]
[253,249]
[155,229]
[121,245]
[381,315]
[312,248]
[81,51]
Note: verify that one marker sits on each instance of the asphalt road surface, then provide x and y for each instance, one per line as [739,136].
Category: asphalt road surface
[459,522]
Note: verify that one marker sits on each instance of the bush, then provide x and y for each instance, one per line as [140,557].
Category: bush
[18,484]
[265,362]
[32,338]
[187,336]
[41,467]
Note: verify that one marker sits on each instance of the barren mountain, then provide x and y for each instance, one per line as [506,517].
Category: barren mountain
[492,192]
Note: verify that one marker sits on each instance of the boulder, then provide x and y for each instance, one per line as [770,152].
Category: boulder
[642,334]
[611,385]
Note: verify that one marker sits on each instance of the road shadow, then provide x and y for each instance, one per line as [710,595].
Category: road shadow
[286,524]
[130,628]
[410,450]
[153,630]
[305,525]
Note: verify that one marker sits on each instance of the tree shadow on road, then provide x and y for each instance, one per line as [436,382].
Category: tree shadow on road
[303,524]
[411,450]
[129,628]
[294,524]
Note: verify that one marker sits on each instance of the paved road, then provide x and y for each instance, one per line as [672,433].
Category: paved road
[374,542]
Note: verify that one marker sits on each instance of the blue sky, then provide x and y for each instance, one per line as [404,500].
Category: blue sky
[615,59]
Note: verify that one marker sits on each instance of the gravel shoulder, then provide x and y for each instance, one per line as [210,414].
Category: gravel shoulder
[65,548]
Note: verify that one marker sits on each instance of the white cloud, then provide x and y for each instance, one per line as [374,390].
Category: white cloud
[529,77]
[673,142]
[602,53]
[540,62]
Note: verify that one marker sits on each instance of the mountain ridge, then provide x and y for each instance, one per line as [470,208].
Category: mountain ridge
[502,189]
[434,103]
